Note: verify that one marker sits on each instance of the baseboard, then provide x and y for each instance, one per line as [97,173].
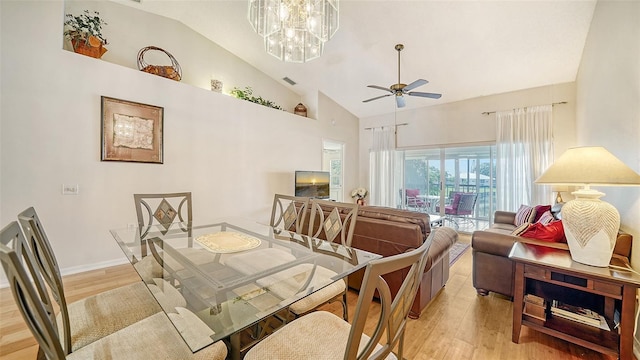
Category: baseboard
[4,282]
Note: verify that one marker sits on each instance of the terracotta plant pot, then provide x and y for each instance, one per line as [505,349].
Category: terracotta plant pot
[80,47]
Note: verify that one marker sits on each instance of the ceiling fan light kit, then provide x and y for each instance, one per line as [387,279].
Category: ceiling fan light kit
[400,89]
[294,30]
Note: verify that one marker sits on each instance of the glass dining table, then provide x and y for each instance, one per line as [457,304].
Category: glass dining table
[227,279]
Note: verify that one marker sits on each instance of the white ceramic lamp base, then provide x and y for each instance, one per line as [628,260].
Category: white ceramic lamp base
[591,227]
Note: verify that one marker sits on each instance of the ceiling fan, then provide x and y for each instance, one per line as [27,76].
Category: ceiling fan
[400,89]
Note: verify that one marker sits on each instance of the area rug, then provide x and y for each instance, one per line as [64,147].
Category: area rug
[456,251]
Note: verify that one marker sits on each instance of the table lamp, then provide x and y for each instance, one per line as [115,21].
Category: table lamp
[590,225]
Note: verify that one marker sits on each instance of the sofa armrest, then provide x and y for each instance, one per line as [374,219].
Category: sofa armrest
[494,243]
[504,217]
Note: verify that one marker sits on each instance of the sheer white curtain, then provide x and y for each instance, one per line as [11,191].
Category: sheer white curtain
[524,151]
[382,165]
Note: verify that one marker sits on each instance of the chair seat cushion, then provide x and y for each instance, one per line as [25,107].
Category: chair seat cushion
[97,316]
[320,335]
[288,283]
[152,338]
[319,297]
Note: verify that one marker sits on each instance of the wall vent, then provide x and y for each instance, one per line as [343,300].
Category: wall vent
[288,81]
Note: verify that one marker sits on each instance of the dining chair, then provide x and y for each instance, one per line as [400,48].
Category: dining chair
[339,224]
[288,212]
[300,338]
[162,212]
[86,320]
[152,337]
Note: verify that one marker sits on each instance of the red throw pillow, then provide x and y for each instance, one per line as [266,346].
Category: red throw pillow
[552,232]
[540,209]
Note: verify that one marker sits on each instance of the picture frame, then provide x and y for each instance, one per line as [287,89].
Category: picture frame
[131,131]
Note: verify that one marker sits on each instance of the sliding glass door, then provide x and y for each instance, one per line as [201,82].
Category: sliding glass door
[456,182]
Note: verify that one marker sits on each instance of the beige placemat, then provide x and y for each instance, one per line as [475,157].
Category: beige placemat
[227,242]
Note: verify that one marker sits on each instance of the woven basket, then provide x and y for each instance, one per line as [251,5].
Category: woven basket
[172,71]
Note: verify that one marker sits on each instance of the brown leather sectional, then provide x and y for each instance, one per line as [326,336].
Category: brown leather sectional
[387,231]
[492,268]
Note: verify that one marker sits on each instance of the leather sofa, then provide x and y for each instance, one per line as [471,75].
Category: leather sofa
[492,268]
[388,231]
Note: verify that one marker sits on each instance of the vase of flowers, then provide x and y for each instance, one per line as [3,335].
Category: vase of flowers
[359,194]
[85,33]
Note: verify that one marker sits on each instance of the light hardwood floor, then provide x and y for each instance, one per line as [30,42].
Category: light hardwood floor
[457,324]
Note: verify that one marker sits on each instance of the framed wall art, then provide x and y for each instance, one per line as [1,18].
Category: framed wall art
[131,131]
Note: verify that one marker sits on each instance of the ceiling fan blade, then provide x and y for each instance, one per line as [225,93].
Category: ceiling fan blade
[379,88]
[414,85]
[400,101]
[376,98]
[424,94]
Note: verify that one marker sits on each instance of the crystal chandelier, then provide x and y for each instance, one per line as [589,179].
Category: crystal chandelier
[294,30]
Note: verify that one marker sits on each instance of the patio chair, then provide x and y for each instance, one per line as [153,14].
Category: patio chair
[460,207]
[160,338]
[323,335]
[413,201]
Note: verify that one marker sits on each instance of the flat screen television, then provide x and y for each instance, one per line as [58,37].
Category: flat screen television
[313,184]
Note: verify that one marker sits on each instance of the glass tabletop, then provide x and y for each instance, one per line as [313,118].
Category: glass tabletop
[215,280]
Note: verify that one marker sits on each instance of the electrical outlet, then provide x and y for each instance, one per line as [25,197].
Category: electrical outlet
[70,189]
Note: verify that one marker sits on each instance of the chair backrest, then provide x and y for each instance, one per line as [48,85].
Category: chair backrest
[467,203]
[164,210]
[45,259]
[393,313]
[288,212]
[340,221]
[29,290]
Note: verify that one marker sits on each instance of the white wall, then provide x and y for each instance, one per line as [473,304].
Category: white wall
[233,155]
[129,29]
[462,123]
[608,100]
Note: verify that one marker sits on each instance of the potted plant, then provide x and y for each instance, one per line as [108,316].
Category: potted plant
[85,33]
[247,94]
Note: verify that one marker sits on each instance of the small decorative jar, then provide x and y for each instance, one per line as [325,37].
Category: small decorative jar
[216,85]
[300,109]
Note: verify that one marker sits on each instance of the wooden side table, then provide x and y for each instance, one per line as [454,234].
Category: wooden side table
[552,274]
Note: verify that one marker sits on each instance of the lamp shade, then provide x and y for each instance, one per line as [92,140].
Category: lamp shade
[589,166]
[590,225]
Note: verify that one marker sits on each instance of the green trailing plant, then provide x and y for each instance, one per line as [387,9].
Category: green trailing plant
[247,94]
[85,26]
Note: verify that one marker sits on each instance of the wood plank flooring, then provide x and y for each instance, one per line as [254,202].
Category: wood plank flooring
[457,324]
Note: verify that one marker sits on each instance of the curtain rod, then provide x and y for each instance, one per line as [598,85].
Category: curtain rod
[382,127]
[493,112]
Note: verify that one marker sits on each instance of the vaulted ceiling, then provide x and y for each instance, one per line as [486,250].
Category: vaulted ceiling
[465,49]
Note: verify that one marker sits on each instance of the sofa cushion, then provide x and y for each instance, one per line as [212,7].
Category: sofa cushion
[525,214]
[540,209]
[520,229]
[545,218]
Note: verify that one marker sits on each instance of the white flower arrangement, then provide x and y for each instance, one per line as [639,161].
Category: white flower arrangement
[359,193]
